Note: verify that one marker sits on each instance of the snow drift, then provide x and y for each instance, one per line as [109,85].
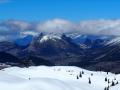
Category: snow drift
[54,78]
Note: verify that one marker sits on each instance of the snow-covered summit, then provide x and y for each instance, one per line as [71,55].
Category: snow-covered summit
[49,37]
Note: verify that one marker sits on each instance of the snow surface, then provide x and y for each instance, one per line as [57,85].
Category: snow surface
[54,78]
[114,41]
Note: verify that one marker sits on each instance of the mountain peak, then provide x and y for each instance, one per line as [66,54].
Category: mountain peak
[49,37]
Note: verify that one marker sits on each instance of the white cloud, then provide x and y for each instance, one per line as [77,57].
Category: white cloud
[33,33]
[13,29]
[57,26]
[104,27]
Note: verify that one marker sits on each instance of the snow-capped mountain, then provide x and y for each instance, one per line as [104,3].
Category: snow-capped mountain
[75,37]
[87,51]
[80,38]
[54,48]
[49,37]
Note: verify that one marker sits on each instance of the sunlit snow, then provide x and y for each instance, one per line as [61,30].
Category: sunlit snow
[55,78]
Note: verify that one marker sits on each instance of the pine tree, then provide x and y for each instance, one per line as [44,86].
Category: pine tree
[77,77]
[105,88]
[107,72]
[106,79]
[82,72]
[89,80]
[91,74]
[113,84]
[80,75]
[117,82]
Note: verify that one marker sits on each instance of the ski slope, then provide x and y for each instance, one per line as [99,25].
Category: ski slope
[54,78]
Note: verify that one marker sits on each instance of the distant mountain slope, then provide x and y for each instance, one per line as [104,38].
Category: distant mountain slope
[24,41]
[56,49]
[90,52]
[5,57]
[105,57]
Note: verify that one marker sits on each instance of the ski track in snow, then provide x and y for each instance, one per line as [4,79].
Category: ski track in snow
[54,78]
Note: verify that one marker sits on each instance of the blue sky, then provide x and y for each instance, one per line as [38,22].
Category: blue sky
[74,10]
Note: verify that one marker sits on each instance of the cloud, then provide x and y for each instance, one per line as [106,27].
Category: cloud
[13,29]
[100,27]
[57,26]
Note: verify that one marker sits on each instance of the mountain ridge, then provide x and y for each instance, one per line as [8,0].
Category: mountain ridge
[63,50]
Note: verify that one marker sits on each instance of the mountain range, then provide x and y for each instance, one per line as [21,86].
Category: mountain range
[93,52]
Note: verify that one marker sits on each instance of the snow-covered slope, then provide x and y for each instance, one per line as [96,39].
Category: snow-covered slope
[114,41]
[54,78]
